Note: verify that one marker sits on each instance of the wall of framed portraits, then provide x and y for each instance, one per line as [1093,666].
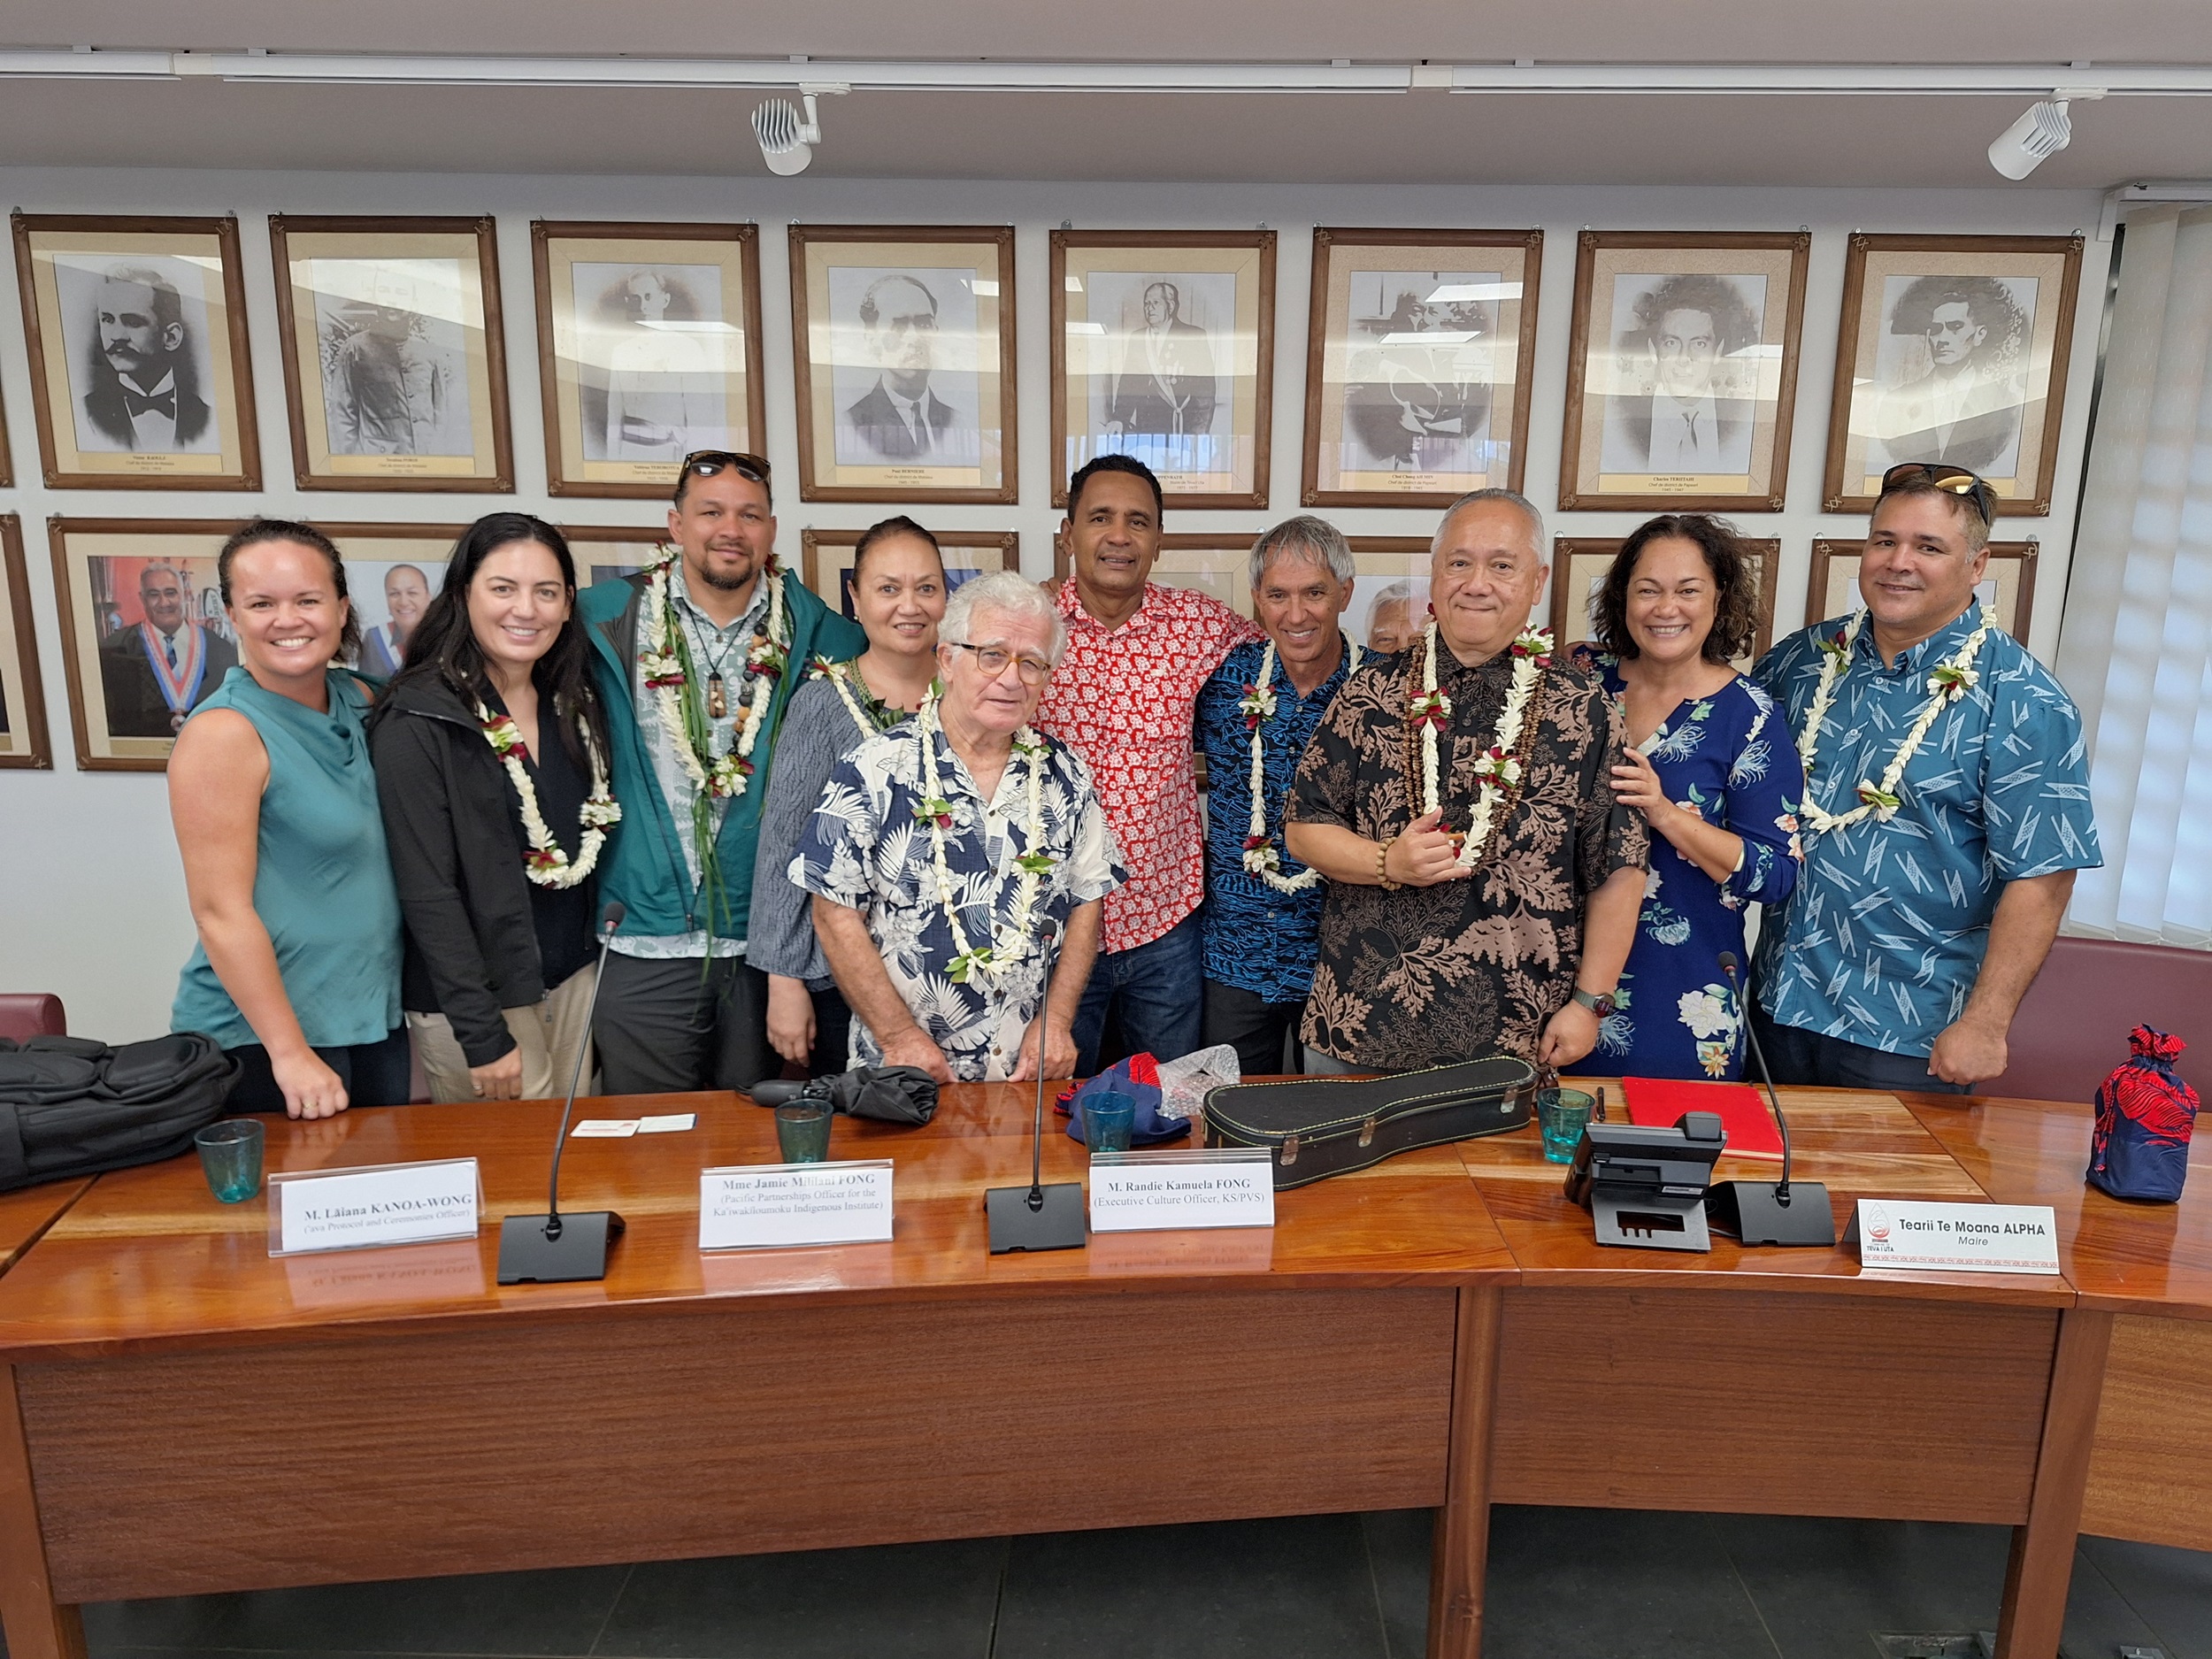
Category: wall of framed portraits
[392,356]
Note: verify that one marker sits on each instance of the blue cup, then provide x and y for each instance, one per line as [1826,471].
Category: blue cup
[1564,1114]
[230,1156]
[1109,1119]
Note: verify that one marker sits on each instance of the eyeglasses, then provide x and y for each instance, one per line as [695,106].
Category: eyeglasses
[707,463]
[993,660]
[1953,480]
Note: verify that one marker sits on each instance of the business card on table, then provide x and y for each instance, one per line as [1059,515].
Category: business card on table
[603,1129]
[1956,1238]
[668,1124]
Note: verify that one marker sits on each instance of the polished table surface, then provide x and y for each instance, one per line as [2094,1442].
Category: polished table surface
[25,1215]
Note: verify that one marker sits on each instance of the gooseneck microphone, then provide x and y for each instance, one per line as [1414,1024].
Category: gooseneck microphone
[1037,1217]
[1758,1212]
[553,1248]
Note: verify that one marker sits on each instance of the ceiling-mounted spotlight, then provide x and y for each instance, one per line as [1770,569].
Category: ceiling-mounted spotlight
[2032,139]
[786,142]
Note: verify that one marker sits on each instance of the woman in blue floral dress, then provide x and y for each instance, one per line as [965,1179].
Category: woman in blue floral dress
[1714,769]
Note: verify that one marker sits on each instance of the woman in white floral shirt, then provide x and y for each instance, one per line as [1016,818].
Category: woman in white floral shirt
[1713,768]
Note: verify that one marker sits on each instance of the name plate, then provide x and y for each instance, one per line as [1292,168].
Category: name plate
[1957,1238]
[379,1204]
[1150,1191]
[771,1206]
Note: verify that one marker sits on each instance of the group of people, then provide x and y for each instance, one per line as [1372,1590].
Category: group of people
[964,834]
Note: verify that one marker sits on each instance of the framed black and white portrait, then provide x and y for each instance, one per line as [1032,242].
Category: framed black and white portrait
[648,348]
[394,364]
[1953,350]
[827,557]
[609,552]
[2007,589]
[1419,350]
[1163,349]
[23,738]
[904,345]
[1579,566]
[1682,371]
[140,374]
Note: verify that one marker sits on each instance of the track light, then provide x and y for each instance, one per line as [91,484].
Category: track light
[786,142]
[2032,139]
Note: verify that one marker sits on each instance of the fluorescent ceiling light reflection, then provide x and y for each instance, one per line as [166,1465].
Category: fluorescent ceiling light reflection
[1451,291]
[1087,328]
[984,288]
[1440,337]
[691,326]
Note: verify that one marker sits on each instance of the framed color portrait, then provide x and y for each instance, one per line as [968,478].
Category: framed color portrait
[1419,350]
[828,555]
[1953,350]
[648,348]
[140,374]
[2007,587]
[1578,565]
[394,365]
[1163,349]
[605,553]
[393,572]
[1682,371]
[23,738]
[1390,596]
[902,339]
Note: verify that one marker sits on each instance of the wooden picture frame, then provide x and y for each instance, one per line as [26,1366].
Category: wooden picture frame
[1211,562]
[91,358]
[1420,359]
[606,552]
[859,439]
[1579,562]
[2008,584]
[626,395]
[1211,449]
[1990,316]
[400,319]
[1387,563]
[107,575]
[25,740]
[1622,449]
[827,560]
[7,457]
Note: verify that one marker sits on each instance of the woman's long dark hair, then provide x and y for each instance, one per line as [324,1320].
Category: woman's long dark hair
[444,641]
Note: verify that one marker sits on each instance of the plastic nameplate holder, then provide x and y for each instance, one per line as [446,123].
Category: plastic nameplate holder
[779,1206]
[375,1205]
[1192,1187]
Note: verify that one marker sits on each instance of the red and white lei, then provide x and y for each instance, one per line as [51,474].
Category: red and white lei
[1008,943]
[545,863]
[1257,705]
[1499,770]
[725,776]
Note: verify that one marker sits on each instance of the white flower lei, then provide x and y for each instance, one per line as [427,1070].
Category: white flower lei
[724,777]
[1499,769]
[1007,944]
[1947,681]
[836,674]
[1258,706]
[545,863]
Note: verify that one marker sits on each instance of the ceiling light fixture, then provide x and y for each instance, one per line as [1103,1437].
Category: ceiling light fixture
[2032,139]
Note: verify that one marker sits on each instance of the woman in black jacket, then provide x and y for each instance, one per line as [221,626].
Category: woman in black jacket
[490,749]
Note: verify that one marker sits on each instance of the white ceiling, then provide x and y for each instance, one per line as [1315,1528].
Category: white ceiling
[1428,136]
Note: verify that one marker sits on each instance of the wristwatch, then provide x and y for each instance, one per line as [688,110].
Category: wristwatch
[1600,1005]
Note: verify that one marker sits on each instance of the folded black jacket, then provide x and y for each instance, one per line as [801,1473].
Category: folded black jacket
[457,855]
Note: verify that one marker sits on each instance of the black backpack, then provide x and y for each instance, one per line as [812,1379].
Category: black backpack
[71,1107]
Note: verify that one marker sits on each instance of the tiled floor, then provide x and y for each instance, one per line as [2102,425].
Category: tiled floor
[1564,1584]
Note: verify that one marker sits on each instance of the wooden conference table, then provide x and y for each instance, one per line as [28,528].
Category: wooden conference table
[181,1414]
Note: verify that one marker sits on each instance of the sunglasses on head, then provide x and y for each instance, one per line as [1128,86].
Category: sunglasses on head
[707,463]
[1953,481]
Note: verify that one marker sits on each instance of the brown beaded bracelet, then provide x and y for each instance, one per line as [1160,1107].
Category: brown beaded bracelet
[1382,866]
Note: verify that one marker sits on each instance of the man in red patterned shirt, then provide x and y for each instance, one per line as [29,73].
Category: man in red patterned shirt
[1123,698]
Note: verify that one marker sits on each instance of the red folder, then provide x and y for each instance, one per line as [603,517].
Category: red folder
[1657,1103]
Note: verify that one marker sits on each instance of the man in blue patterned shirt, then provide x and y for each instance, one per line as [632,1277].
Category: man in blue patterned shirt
[1261,940]
[1946,811]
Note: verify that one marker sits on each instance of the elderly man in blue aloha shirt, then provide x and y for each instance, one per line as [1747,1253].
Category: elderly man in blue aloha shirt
[943,846]
[1947,810]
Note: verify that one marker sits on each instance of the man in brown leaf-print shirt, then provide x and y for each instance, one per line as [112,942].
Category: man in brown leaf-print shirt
[1426,957]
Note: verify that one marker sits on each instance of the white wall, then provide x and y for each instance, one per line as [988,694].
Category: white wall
[91,897]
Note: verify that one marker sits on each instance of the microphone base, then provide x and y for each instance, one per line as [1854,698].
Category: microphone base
[529,1256]
[1749,1211]
[1058,1224]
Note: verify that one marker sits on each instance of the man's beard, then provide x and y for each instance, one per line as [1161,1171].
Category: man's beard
[714,578]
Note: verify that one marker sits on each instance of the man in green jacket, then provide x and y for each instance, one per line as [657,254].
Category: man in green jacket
[696,659]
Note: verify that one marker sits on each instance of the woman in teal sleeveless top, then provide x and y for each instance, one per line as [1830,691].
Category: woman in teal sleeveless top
[296,973]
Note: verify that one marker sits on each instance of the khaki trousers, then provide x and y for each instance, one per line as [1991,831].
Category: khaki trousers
[549,1034]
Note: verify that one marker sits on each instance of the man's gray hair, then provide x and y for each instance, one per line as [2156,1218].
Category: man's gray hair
[1399,592]
[1475,498]
[1008,594]
[1305,537]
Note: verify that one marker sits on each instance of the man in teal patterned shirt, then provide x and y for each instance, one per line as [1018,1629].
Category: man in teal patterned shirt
[1946,811]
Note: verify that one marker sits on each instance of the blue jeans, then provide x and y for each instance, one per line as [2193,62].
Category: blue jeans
[1161,989]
